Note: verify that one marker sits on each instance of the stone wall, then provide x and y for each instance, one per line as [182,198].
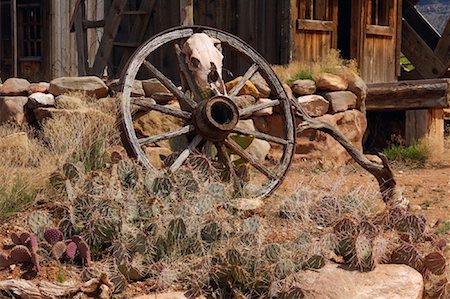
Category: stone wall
[336,99]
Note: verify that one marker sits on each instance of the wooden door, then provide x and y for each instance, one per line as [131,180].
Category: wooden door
[315,29]
[376,34]
[33,40]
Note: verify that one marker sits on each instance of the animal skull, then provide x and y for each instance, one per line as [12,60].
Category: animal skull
[204,59]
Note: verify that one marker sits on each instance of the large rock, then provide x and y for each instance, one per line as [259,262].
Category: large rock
[91,85]
[152,86]
[38,87]
[261,85]
[356,85]
[12,110]
[303,87]
[39,99]
[168,295]
[340,100]
[156,155]
[244,101]
[327,81]
[265,111]
[137,89]
[315,105]
[153,123]
[313,145]
[248,89]
[386,281]
[15,87]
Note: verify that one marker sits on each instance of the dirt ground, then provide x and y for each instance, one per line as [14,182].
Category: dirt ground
[426,187]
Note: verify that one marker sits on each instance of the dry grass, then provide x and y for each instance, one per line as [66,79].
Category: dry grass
[77,135]
[330,63]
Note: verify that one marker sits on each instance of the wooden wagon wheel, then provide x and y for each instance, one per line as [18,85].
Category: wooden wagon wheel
[210,127]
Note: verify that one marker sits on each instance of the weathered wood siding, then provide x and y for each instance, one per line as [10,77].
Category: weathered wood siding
[379,51]
[264,24]
[64,48]
[314,28]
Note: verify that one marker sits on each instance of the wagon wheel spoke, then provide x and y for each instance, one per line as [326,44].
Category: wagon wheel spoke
[235,148]
[248,74]
[169,84]
[207,149]
[260,135]
[164,109]
[185,154]
[223,156]
[248,111]
[168,135]
[187,74]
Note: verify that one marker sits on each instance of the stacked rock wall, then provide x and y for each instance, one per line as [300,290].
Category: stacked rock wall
[337,99]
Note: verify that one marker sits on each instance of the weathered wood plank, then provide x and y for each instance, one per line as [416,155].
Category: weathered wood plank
[421,26]
[303,24]
[380,30]
[420,55]
[407,95]
[426,125]
[187,12]
[81,38]
[442,50]
[112,23]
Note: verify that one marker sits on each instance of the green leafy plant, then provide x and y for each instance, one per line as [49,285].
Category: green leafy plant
[15,198]
[417,152]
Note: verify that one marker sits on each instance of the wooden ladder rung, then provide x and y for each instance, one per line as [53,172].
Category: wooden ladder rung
[135,12]
[126,45]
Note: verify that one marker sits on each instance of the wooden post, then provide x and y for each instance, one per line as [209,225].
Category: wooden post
[187,12]
[15,57]
[81,37]
[426,125]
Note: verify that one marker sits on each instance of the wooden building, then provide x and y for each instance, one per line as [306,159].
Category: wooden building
[43,39]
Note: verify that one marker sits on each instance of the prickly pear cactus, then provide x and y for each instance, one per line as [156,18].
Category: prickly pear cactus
[5,260]
[211,232]
[20,254]
[58,250]
[38,221]
[53,235]
[71,250]
[127,173]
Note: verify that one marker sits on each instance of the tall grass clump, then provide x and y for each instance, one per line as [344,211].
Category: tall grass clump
[332,63]
[417,152]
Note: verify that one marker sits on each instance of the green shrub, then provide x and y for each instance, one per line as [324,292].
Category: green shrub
[416,152]
[301,75]
[15,198]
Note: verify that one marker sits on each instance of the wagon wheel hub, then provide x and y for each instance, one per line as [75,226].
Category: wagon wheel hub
[215,118]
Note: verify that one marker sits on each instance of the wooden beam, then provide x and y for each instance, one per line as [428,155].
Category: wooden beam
[427,126]
[421,26]
[442,50]
[112,23]
[304,24]
[420,55]
[407,95]
[187,12]
[81,39]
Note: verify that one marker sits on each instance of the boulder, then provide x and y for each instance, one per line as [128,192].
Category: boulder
[265,111]
[15,87]
[386,281]
[68,102]
[152,86]
[244,101]
[137,89]
[156,155]
[153,123]
[248,89]
[313,145]
[259,149]
[303,87]
[315,105]
[168,295]
[39,99]
[288,90]
[356,85]
[38,87]
[12,110]
[90,85]
[340,100]
[261,85]
[327,81]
